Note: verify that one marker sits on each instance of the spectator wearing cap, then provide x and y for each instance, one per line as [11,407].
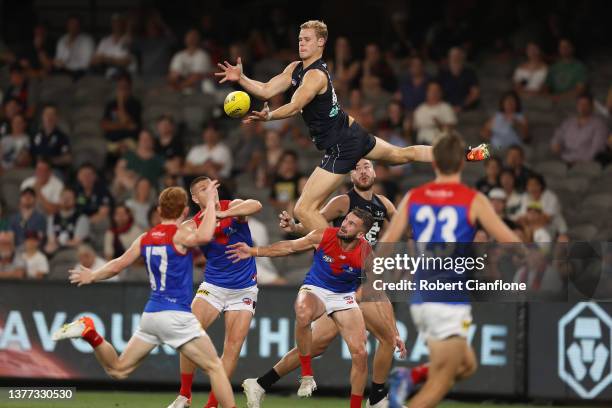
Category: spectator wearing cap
[580,137]
[50,141]
[37,265]
[498,200]
[490,180]
[47,186]
[169,145]
[19,89]
[551,214]
[568,76]
[112,55]
[535,225]
[67,228]
[74,49]
[189,66]
[508,126]
[122,116]
[12,266]
[27,217]
[212,158]
[459,83]
[88,258]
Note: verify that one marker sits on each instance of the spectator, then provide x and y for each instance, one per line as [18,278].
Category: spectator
[37,58]
[434,117]
[74,49]
[36,263]
[20,90]
[27,217]
[413,89]
[50,142]
[355,104]
[154,49]
[122,234]
[92,196]
[344,68]
[515,161]
[121,121]
[112,55]
[459,82]
[287,182]
[267,274]
[536,191]
[153,217]
[12,266]
[189,67]
[490,180]
[142,162]
[249,149]
[88,258]
[605,157]
[375,66]
[513,198]
[498,200]
[386,183]
[274,151]
[535,223]
[169,145]
[530,77]
[11,108]
[508,126]
[15,146]
[141,201]
[397,125]
[580,137]
[212,158]
[4,220]
[568,76]
[47,186]
[68,227]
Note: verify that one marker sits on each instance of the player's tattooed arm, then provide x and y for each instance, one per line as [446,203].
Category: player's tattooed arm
[241,209]
[239,251]
[84,276]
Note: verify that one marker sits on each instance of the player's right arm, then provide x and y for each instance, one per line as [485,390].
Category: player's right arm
[84,276]
[239,251]
[262,90]
[398,223]
[484,213]
[335,208]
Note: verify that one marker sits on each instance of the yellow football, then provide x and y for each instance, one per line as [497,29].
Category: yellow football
[237,104]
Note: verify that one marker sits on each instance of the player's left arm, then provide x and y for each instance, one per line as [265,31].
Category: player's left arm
[240,250]
[84,276]
[314,81]
[241,209]
[391,210]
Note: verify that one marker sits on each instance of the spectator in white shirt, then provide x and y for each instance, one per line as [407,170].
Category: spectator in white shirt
[551,214]
[213,158]
[47,186]
[189,66]
[112,55]
[74,49]
[530,77]
[37,265]
[433,117]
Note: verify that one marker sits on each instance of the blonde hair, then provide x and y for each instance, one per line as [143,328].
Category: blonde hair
[318,26]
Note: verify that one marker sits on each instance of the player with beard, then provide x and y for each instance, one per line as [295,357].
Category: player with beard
[329,288]
[378,316]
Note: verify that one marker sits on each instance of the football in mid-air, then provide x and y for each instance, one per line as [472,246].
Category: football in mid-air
[237,104]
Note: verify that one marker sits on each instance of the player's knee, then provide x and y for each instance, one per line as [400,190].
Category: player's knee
[303,314]
[117,374]
[359,352]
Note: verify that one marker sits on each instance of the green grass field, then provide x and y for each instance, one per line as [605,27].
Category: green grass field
[87,399]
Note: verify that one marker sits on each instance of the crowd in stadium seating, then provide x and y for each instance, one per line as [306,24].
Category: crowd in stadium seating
[90,133]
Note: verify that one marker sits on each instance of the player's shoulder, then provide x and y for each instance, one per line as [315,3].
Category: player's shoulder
[292,66]
[386,202]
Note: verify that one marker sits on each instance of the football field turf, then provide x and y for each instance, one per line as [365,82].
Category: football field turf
[87,399]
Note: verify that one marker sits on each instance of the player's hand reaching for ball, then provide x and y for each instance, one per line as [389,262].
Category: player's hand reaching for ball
[80,276]
[238,252]
[262,116]
[286,222]
[229,72]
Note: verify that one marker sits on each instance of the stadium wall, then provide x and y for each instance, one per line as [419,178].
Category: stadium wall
[553,351]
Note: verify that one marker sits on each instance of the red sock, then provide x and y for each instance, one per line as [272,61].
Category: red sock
[212,401]
[419,373]
[306,366]
[93,338]
[186,380]
[356,401]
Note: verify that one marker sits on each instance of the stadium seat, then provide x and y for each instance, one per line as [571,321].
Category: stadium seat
[601,200]
[61,262]
[584,232]
[552,168]
[90,150]
[88,128]
[588,169]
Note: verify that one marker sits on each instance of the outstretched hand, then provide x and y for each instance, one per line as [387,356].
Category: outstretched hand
[229,72]
[238,252]
[261,116]
[286,222]
[80,276]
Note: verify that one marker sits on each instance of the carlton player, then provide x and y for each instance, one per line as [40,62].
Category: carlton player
[442,211]
[167,317]
[329,288]
[378,315]
[331,129]
[228,288]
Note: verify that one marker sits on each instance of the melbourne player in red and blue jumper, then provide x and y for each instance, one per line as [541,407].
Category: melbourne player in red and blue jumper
[329,288]
[443,216]
[167,318]
[228,288]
